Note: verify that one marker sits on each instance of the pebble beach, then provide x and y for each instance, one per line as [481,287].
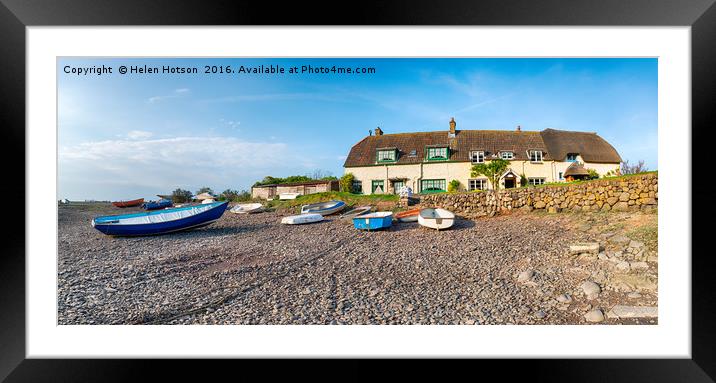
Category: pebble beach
[522,268]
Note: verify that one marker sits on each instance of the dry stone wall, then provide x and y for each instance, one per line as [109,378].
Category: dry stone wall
[621,194]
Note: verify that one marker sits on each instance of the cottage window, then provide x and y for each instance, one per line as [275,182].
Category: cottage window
[357,187]
[536,181]
[377,187]
[477,157]
[386,155]
[478,184]
[536,156]
[432,186]
[437,154]
[561,176]
[572,157]
[397,186]
[507,155]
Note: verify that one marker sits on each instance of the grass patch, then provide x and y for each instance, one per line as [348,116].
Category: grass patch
[349,198]
[647,233]
[577,182]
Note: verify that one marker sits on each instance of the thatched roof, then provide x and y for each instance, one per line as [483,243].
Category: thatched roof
[576,169]
[554,144]
[590,146]
[204,196]
[412,146]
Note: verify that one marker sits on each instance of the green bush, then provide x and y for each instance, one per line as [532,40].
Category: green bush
[593,175]
[181,196]
[346,183]
[453,186]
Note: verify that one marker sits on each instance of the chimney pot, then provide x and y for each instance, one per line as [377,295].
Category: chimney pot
[378,131]
[519,128]
[452,125]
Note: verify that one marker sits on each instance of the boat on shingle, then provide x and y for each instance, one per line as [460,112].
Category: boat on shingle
[356,211]
[247,208]
[301,219]
[132,203]
[373,221]
[156,205]
[408,215]
[160,221]
[436,218]
[323,208]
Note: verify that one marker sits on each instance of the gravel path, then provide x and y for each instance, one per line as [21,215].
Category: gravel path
[249,269]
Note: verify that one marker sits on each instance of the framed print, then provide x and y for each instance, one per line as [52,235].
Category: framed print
[453,180]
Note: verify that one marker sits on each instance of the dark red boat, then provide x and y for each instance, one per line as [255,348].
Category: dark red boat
[132,203]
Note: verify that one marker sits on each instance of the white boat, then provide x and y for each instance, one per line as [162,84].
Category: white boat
[207,201]
[436,218]
[245,208]
[301,219]
[324,208]
[288,195]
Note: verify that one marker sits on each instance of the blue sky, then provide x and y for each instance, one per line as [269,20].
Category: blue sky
[137,135]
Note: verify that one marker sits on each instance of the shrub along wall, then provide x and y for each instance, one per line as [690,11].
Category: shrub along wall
[619,194]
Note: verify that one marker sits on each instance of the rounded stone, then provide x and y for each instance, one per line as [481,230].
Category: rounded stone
[591,289]
[594,316]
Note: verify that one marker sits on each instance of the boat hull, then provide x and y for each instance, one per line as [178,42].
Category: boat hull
[288,195]
[373,221]
[247,208]
[156,205]
[408,216]
[360,210]
[323,208]
[301,219]
[112,225]
[438,219]
[132,203]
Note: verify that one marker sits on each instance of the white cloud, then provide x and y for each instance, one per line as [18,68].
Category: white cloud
[116,168]
[138,134]
[177,93]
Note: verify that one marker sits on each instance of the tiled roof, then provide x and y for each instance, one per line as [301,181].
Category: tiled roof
[303,183]
[590,146]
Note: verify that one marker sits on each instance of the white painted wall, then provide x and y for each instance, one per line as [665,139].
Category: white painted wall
[549,170]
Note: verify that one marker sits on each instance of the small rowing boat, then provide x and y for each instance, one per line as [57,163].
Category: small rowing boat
[436,218]
[323,208]
[156,205]
[247,208]
[408,215]
[288,195]
[132,203]
[301,219]
[160,221]
[374,221]
[356,211]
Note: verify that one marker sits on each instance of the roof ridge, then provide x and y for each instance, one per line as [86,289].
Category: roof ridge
[465,130]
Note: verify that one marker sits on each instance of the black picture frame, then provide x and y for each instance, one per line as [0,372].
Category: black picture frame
[700,15]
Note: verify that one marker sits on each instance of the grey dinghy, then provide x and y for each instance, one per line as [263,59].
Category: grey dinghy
[360,210]
[324,208]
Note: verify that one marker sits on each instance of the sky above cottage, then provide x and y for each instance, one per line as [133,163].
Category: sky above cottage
[125,136]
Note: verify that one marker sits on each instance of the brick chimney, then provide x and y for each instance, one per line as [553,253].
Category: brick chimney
[452,126]
[378,131]
[519,128]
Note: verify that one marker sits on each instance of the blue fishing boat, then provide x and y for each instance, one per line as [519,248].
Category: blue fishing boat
[323,208]
[374,221]
[154,205]
[160,221]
